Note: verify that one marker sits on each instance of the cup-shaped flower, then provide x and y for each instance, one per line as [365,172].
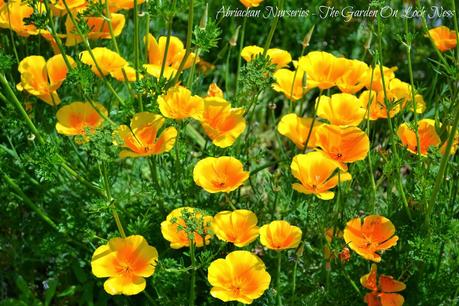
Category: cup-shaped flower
[143,138]
[353,78]
[290,83]
[126,262]
[106,60]
[42,78]
[383,290]
[178,103]
[280,235]
[175,54]
[222,123]
[13,15]
[315,171]
[297,129]
[322,69]
[238,227]
[443,38]
[219,174]
[343,144]
[78,117]
[340,109]
[99,28]
[185,222]
[375,234]
[241,277]
[251,3]
[373,79]
[377,108]
[427,136]
[279,57]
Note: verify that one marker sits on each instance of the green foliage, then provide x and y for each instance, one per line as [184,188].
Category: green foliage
[206,38]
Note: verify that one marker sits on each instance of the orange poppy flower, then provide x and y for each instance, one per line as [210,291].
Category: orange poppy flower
[251,3]
[42,78]
[376,233]
[279,57]
[400,92]
[353,78]
[107,60]
[293,89]
[143,137]
[176,228]
[453,146]
[127,70]
[383,291]
[345,145]
[126,262]
[222,174]
[98,26]
[12,15]
[315,171]
[222,123]
[241,277]
[444,38]
[238,227]
[116,5]
[427,136]
[377,108]
[75,118]
[178,103]
[376,84]
[323,69]
[214,91]
[280,235]
[340,109]
[74,5]
[175,55]
[297,129]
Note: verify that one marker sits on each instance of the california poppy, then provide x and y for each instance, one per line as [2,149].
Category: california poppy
[77,117]
[297,129]
[290,83]
[427,136]
[352,80]
[238,227]
[378,107]
[375,234]
[99,28]
[177,226]
[444,38]
[241,277]
[126,262]
[251,3]
[107,60]
[340,109]
[315,171]
[215,91]
[178,103]
[279,57]
[280,235]
[116,5]
[382,290]
[13,15]
[222,174]
[142,138]
[373,77]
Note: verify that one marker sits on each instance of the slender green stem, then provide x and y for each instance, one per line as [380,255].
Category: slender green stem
[136,49]
[278,279]
[188,41]
[193,273]
[13,41]
[389,121]
[111,201]
[170,20]
[316,107]
[295,268]
[370,164]
[272,30]
[456,29]
[239,58]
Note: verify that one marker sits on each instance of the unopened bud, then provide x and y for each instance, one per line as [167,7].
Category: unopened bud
[307,38]
[203,22]
[368,42]
[233,40]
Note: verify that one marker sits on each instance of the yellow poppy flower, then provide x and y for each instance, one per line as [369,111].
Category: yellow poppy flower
[400,92]
[293,89]
[74,5]
[143,137]
[241,277]
[341,109]
[128,70]
[42,78]
[175,228]
[427,136]
[353,78]
[222,174]
[238,227]
[376,84]
[98,26]
[116,5]
[315,171]
[12,15]
[107,60]
[75,118]
[297,129]
[444,38]
[214,91]
[322,69]
[280,235]
[377,108]
[178,103]
[376,233]
[175,54]
[453,146]
[222,123]
[126,262]
[343,144]
[279,57]
[251,3]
